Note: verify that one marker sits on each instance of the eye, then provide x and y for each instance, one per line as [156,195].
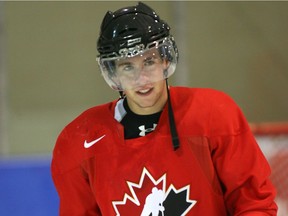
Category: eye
[150,61]
[128,68]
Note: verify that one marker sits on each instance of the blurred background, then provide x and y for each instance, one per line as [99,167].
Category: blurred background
[48,75]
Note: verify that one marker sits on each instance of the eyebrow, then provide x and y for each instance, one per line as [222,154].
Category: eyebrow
[148,58]
[124,64]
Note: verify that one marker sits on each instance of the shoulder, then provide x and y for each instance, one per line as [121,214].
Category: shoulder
[204,96]
[98,114]
[215,109]
[69,149]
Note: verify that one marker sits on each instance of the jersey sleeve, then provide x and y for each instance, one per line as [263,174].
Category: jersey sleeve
[76,196]
[241,166]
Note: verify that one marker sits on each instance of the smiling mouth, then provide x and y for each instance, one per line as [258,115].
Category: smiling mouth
[145,91]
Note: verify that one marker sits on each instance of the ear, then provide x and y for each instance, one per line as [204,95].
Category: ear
[166,64]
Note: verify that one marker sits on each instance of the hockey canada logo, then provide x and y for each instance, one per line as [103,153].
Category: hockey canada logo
[149,197]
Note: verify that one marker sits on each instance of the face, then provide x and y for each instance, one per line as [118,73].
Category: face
[144,83]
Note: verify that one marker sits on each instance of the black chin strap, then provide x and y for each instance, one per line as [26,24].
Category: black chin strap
[121,94]
[173,131]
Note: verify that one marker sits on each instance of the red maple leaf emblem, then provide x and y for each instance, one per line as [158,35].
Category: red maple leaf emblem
[147,197]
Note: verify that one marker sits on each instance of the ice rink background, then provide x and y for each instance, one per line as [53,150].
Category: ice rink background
[48,75]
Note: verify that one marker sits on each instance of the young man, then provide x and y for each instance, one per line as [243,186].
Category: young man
[157,150]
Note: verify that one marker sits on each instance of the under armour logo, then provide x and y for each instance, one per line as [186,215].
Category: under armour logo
[144,131]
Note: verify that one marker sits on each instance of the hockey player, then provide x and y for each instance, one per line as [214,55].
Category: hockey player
[158,150]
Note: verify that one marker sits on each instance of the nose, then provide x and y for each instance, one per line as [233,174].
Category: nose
[143,76]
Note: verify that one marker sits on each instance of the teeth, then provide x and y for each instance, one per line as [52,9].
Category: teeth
[144,91]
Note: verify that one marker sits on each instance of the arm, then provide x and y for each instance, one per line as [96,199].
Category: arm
[76,197]
[241,166]
[244,174]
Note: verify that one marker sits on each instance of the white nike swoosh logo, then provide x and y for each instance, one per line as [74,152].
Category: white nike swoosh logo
[89,144]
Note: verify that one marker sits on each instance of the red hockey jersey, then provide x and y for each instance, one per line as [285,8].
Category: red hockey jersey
[218,170]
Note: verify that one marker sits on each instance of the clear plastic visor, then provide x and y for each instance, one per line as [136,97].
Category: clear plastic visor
[134,71]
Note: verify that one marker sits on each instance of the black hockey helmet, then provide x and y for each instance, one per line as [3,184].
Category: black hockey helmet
[131,31]
[130,26]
